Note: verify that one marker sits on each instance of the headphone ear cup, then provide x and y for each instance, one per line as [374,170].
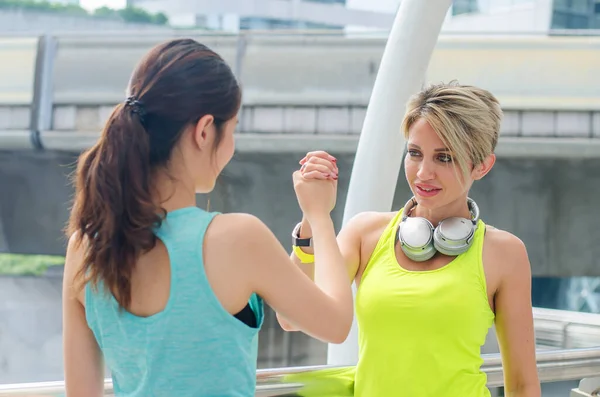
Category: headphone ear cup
[453,236]
[425,253]
[416,239]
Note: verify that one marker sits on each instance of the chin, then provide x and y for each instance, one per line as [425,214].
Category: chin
[429,202]
[426,202]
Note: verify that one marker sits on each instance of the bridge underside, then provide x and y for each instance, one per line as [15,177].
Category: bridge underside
[549,203]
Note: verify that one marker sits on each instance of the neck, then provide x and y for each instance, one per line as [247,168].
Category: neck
[458,207]
[174,193]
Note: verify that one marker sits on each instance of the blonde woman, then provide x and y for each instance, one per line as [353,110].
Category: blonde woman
[433,277]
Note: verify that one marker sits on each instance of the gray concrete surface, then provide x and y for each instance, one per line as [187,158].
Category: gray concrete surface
[30,329]
[322,120]
[550,204]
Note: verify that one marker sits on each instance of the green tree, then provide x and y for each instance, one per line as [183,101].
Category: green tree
[42,6]
[161,19]
[105,12]
[136,15]
[128,14]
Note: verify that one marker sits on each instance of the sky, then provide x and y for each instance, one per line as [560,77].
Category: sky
[93,4]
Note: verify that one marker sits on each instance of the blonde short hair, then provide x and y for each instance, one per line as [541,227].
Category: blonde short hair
[466,118]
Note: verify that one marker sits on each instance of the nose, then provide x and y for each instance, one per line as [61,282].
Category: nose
[426,170]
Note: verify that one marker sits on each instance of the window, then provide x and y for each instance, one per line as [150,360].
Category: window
[577,6]
[567,20]
[580,6]
[578,22]
[562,4]
[464,7]
[559,20]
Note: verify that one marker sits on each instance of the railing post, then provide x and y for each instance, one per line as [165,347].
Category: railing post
[379,154]
[240,54]
[42,106]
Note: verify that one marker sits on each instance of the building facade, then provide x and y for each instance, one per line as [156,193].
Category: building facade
[576,14]
[482,16]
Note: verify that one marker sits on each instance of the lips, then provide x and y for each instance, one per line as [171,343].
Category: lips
[427,190]
[422,186]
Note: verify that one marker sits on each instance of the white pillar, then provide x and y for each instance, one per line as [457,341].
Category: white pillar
[379,154]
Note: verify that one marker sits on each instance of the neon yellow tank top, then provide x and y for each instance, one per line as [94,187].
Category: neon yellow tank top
[420,332]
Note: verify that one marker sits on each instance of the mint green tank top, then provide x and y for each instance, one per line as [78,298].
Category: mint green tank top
[194,347]
[421,332]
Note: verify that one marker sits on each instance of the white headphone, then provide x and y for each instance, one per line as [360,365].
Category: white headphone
[420,241]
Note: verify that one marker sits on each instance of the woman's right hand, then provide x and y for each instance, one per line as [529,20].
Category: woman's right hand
[316,184]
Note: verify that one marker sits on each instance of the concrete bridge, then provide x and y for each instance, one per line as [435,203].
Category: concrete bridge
[307,91]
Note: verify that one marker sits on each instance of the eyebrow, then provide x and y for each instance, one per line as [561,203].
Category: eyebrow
[443,149]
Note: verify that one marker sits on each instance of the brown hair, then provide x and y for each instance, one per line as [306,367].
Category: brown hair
[114,210]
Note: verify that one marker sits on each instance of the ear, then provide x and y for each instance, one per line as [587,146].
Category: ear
[201,133]
[482,169]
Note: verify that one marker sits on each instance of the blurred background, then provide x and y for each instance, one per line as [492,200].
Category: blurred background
[307,70]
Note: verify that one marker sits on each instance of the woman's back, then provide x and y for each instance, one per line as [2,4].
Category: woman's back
[171,303]
[192,345]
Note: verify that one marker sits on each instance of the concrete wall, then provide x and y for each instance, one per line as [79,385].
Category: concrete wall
[30,329]
[550,204]
[33,203]
[504,16]
[319,120]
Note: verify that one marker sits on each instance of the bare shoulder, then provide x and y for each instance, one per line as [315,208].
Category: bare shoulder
[237,227]
[74,261]
[506,251]
[239,238]
[75,254]
[362,233]
[369,221]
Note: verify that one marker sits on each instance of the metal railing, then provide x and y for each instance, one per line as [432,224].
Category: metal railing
[555,329]
[49,79]
[566,329]
[553,366]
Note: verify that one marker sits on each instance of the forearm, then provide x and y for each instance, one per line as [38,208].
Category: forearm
[307,268]
[330,269]
[533,390]
[331,262]
[523,382]
[305,232]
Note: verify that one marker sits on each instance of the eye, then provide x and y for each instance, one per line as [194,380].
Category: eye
[445,158]
[413,153]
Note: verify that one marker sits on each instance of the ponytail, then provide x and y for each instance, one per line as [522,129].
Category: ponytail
[113,211]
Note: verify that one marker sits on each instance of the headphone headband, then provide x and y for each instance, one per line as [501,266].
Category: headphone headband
[473,208]
[410,204]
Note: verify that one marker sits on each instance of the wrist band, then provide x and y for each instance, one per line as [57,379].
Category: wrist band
[300,242]
[303,256]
